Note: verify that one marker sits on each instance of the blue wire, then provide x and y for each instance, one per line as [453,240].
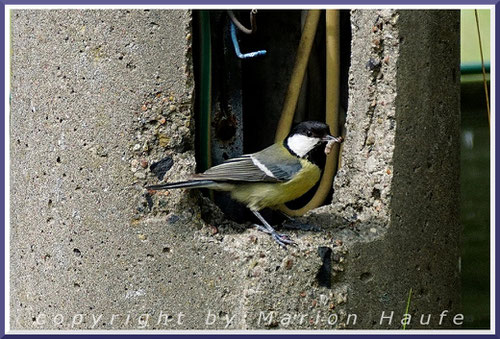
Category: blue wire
[237,46]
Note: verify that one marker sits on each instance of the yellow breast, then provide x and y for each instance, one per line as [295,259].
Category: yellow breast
[270,195]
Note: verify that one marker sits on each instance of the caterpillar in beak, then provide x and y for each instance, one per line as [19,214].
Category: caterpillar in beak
[330,142]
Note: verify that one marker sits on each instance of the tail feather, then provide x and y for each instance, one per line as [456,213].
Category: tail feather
[183,184]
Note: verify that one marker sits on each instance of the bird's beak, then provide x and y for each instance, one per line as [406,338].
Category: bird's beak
[330,138]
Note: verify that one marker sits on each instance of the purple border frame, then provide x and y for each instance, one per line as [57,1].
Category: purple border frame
[246,2]
[204,2]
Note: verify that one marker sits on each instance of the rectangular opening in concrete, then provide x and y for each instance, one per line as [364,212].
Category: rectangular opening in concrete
[247,95]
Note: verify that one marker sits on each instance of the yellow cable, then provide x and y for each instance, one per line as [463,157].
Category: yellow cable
[299,70]
[332,112]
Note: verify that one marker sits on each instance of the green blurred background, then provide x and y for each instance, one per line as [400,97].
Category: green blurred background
[475,172]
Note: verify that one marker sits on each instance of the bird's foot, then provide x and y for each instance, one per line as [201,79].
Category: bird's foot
[262,228]
[282,239]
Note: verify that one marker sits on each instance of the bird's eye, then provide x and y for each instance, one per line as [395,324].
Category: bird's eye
[309,133]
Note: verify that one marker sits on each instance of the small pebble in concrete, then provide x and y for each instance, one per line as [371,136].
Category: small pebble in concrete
[161,167]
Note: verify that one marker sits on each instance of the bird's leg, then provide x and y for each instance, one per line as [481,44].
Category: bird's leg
[294,224]
[281,239]
[262,228]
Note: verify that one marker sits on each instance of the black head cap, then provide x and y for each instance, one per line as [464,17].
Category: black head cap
[313,129]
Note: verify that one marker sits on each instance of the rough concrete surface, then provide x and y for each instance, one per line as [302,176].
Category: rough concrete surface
[99,96]
[399,185]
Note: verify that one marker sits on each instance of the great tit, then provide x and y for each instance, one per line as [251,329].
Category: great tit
[279,173]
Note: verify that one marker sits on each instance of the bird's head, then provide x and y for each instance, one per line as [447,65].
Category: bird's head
[308,135]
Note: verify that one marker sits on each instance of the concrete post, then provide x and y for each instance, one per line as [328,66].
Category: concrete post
[400,182]
[100,96]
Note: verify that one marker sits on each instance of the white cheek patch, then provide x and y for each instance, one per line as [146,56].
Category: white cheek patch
[301,144]
[262,167]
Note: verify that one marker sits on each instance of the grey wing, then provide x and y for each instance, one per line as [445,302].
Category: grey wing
[237,169]
[283,167]
[284,171]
